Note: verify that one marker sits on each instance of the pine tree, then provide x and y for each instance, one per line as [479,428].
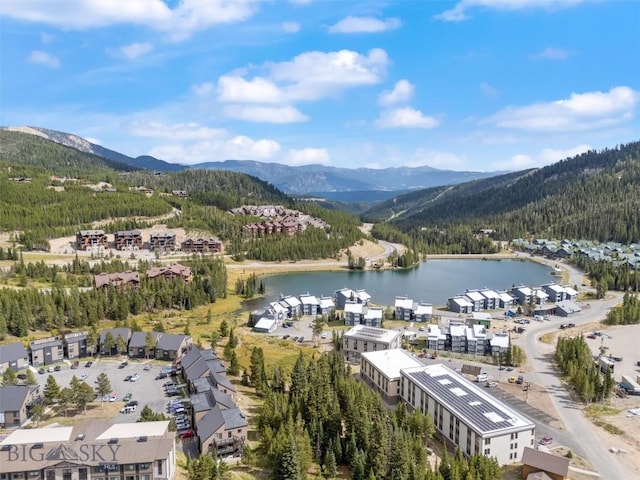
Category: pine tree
[10,377]
[103,385]
[287,462]
[329,464]
[51,390]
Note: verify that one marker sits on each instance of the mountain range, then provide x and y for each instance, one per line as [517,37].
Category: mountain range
[334,183]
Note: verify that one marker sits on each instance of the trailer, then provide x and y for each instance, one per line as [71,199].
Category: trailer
[630,385]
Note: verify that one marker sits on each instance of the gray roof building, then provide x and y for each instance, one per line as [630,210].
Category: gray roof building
[14,356]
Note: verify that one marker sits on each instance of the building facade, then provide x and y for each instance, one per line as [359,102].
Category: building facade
[362,339]
[46,351]
[381,371]
[75,345]
[91,239]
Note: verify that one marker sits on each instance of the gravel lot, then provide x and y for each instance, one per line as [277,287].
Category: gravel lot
[145,390]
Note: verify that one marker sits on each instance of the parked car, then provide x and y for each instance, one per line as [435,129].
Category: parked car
[546,441]
[491,384]
[300,339]
[161,375]
[591,336]
[88,364]
[50,369]
[128,409]
[84,376]
[123,364]
[42,370]
[127,397]
[57,368]
[147,367]
[127,378]
[114,396]
[325,334]
[135,377]
[132,403]
[520,380]
[512,379]
[509,369]
[187,434]
[75,364]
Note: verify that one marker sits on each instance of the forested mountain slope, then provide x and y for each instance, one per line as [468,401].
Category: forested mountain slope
[594,195]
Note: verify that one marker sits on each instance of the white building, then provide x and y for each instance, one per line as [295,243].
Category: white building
[404,308]
[466,415]
[373,316]
[424,312]
[362,339]
[381,371]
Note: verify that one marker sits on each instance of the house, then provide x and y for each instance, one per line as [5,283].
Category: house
[111,335]
[265,325]
[343,296]
[172,346]
[361,339]
[46,351]
[567,308]
[75,345]
[403,308]
[459,304]
[481,318]
[457,337]
[491,299]
[121,279]
[541,296]
[201,245]
[310,304]
[13,356]
[91,239]
[381,371]
[326,306]
[354,313]
[162,241]
[476,339]
[423,312]
[506,300]
[170,272]
[499,344]
[138,347]
[476,299]
[147,450]
[128,240]
[15,400]
[571,293]
[465,414]
[222,432]
[292,304]
[362,297]
[522,294]
[555,292]
[373,316]
[436,338]
[536,461]
[197,364]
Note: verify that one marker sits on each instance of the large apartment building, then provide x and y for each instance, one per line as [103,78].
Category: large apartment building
[90,239]
[465,415]
[94,450]
[362,338]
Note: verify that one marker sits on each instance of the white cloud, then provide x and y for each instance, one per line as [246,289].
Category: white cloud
[177,131]
[135,50]
[402,92]
[290,27]
[364,25]
[546,157]
[488,91]
[405,117]
[459,12]
[43,58]
[262,114]
[551,53]
[308,76]
[185,18]
[581,111]
[203,89]
[308,156]
[256,90]
[46,38]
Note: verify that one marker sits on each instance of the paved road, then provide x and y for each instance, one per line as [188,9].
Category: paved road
[579,428]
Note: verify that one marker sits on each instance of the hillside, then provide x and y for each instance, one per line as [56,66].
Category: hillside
[595,195]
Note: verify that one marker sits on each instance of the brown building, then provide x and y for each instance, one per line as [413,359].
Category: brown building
[13,356]
[93,450]
[202,245]
[162,242]
[75,345]
[46,351]
[121,279]
[90,239]
[171,272]
[537,462]
[222,431]
[128,240]
[15,401]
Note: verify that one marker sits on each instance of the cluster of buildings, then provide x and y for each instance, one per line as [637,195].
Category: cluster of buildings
[132,279]
[288,306]
[220,426]
[96,240]
[548,299]
[92,450]
[614,252]
[464,414]
[276,219]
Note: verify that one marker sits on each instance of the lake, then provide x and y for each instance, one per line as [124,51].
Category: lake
[433,281]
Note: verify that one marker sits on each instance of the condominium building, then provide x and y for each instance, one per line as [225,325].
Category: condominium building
[466,415]
[381,371]
[362,338]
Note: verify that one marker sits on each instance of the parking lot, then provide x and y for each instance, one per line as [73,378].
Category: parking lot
[146,390]
[299,328]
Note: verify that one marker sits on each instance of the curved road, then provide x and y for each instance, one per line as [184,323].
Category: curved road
[579,428]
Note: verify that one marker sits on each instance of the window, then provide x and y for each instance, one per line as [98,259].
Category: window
[487,441]
[144,477]
[159,463]
[129,477]
[514,436]
[131,467]
[229,435]
[144,466]
[487,451]
[82,474]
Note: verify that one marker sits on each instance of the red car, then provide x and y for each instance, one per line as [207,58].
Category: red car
[187,434]
[591,336]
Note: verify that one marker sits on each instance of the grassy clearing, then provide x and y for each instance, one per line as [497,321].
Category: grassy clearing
[596,412]
[548,338]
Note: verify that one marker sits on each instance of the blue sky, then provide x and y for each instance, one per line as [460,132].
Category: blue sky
[459,85]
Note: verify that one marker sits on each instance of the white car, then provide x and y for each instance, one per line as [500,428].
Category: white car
[84,376]
[324,335]
[114,396]
[134,377]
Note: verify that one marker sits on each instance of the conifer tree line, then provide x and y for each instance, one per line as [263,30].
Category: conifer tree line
[626,314]
[609,275]
[573,358]
[322,415]
[62,309]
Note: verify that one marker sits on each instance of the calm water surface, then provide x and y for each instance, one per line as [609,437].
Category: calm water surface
[434,281]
